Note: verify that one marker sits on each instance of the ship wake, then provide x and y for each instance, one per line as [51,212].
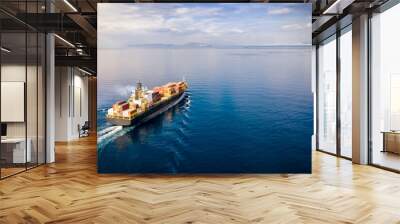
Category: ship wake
[109,134]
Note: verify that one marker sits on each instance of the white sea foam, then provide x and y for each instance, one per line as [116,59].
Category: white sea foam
[109,134]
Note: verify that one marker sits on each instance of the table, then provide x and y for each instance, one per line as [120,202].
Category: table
[17,149]
[391,141]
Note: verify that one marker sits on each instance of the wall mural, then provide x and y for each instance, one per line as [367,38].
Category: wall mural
[204,88]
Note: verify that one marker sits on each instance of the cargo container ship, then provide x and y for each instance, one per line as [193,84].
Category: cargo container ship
[145,104]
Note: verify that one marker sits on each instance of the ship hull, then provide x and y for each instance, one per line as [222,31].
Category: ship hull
[150,114]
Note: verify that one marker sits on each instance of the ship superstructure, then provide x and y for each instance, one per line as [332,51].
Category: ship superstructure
[144,104]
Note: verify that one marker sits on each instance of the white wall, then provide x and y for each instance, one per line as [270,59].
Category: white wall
[80,112]
[12,73]
[33,127]
[62,81]
[71,102]
[17,73]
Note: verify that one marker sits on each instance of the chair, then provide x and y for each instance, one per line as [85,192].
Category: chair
[84,130]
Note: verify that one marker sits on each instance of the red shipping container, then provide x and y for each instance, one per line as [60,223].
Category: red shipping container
[125,106]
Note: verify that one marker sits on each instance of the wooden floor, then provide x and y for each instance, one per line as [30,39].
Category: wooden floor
[5,172]
[70,191]
[387,159]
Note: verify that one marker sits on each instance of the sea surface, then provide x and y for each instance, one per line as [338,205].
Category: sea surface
[247,111]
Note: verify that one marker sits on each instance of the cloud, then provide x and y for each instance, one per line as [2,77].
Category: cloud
[197,11]
[122,25]
[124,91]
[294,26]
[182,11]
[236,30]
[181,20]
[279,11]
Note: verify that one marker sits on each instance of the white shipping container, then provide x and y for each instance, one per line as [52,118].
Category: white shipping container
[125,113]
[138,102]
[149,97]
[110,111]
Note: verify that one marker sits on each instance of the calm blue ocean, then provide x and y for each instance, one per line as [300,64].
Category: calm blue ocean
[247,111]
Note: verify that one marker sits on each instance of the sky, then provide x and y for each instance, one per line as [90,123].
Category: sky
[125,25]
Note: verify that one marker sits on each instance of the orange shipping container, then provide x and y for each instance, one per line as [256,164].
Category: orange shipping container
[133,105]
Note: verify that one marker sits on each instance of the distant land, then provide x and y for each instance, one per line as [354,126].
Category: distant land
[206,45]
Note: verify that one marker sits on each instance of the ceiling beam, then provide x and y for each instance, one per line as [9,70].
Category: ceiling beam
[337,7]
[80,61]
[86,26]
